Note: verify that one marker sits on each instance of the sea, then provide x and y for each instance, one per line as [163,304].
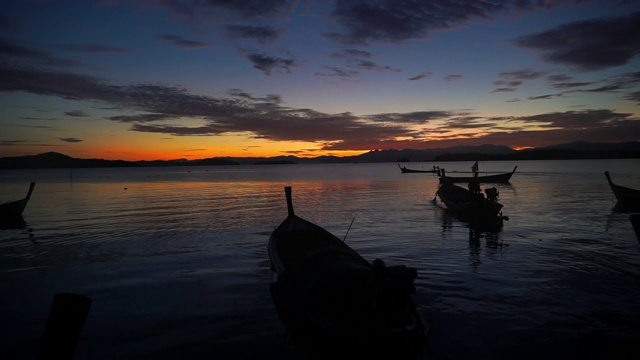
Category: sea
[175,262]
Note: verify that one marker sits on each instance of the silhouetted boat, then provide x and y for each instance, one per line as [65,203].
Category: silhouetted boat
[473,207]
[635,222]
[334,302]
[409,171]
[628,199]
[11,212]
[496,178]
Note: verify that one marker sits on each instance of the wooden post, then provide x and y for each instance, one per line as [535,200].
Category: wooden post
[64,326]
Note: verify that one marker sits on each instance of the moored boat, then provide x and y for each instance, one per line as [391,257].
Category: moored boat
[11,212]
[334,302]
[503,178]
[628,199]
[472,206]
[405,170]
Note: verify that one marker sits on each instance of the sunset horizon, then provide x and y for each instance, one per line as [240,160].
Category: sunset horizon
[164,80]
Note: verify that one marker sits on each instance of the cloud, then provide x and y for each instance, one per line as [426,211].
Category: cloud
[418,117]
[70,140]
[75,113]
[250,8]
[594,44]
[359,59]
[181,42]
[261,34]
[510,80]
[29,56]
[173,111]
[366,21]
[337,71]
[422,75]
[267,63]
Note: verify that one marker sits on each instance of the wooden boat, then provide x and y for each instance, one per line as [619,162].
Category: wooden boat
[635,223]
[334,302]
[628,199]
[472,206]
[410,171]
[11,212]
[495,178]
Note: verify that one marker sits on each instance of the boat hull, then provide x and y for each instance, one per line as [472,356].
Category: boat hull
[475,209]
[11,212]
[627,199]
[503,178]
[334,302]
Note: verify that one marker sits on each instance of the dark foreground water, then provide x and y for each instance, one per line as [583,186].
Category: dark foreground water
[176,264]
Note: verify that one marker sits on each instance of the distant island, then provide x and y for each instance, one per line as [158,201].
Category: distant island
[575,150]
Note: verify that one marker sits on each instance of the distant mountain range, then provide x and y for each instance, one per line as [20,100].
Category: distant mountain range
[575,150]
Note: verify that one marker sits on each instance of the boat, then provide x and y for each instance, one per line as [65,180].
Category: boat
[503,178]
[11,212]
[628,199]
[472,206]
[409,171]
[334,302]
[635,223]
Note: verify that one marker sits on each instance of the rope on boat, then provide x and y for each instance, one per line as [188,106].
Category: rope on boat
[345,235]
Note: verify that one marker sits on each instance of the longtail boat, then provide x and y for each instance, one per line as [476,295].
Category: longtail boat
[405,170]
[472,206]
[333,302]
[628,199]
[11,212]
[495,178]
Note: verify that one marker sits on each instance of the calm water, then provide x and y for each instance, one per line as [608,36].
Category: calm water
[175,259]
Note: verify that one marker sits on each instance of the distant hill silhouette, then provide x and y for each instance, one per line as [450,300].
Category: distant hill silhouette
[575,150]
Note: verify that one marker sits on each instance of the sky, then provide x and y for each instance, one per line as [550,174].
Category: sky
[193,79]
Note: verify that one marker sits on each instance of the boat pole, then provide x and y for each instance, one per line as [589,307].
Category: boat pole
[287,191]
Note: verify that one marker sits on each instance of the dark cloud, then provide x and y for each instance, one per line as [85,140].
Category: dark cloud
[574,120]
[589,45]
[423,75]
[140,118]
[337,71]
[510,80]
[359,59]
[367,21]
[261,34]
[172,110]
[633,96]
[542,97]
[70,140]
[569,85]
[75,113]
[180,42]
[93,48]
[267,63]
[27,55]
[271,98]
[251,7]
[419,117]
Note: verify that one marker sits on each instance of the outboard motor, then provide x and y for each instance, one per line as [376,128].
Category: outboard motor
[492,193]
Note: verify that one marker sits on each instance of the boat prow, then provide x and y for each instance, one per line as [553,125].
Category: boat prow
[334,302]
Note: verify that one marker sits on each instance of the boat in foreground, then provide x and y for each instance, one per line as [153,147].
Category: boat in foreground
[495,178]
[628,199]
[472,206]
[11,212]
[410,171]
[334,302]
